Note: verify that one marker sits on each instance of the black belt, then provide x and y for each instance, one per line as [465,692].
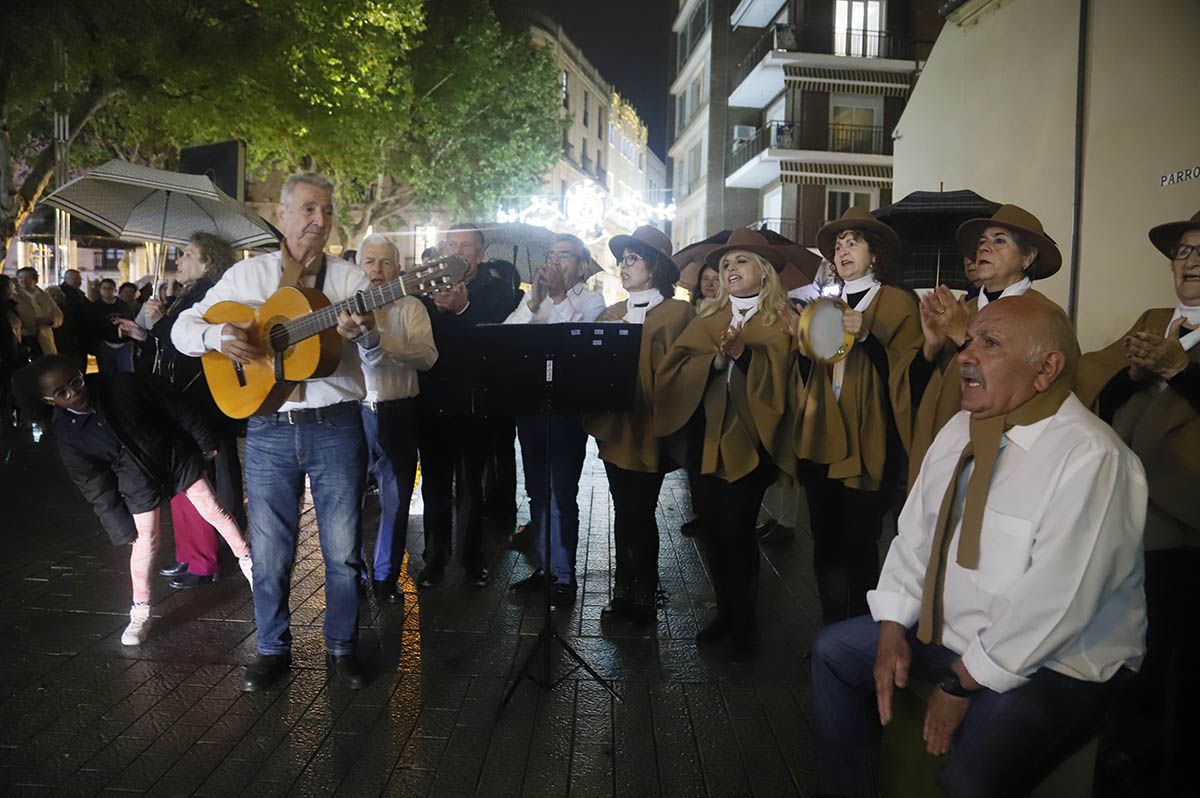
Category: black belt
[374,406]
[314,415]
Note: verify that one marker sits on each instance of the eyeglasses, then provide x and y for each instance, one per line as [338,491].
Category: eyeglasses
[632,259]
[73,387]
[1184,251]
[559,257]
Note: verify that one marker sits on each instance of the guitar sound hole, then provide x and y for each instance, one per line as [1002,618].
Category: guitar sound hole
[278,338]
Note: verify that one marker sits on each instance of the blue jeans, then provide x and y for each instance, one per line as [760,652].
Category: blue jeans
[568,447]
[278,456]
[1007,743]
[391,431]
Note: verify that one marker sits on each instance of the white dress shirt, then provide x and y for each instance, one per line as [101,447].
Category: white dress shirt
[251,282]
[1059,583]
[579,304]
[400,345]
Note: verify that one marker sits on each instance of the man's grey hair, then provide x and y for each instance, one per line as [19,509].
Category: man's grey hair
[380,240]
[313,179]
[1054,333]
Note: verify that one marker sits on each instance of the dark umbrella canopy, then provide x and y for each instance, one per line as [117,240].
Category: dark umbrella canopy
[926,222]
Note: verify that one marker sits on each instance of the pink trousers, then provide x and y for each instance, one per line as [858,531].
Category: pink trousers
[145,549]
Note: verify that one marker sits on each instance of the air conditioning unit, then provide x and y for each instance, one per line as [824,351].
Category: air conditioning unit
[742,134]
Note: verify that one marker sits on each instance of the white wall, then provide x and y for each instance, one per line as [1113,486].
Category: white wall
[1143,122]
[994,111]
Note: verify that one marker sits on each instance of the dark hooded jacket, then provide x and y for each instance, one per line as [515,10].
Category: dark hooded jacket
[141,445]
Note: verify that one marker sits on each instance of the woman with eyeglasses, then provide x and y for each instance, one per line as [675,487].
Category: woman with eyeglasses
[198,267]
[1147,386]
[734,365]
[634,460]
[1011,251]
[127,442]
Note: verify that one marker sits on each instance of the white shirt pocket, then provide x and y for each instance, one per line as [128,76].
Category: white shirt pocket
[1003,551]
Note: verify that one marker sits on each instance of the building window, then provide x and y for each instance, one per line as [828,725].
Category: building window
[839,200]
[600,123]
[687,39]
[566,144]
[612,134]
[586,119]
[854,124]
[566,94]
[857,27]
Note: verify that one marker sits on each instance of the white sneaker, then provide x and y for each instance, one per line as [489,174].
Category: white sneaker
[247,566]
[139,626]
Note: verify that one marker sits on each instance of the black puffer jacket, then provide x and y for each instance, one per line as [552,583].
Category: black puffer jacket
[159,454]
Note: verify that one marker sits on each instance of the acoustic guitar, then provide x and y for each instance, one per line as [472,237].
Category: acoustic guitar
[296,330]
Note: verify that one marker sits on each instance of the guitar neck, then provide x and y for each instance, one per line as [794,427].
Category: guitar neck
[361,303]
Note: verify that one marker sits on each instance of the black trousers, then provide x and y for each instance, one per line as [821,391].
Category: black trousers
[635,533]
[453,452]
[500,472]
[846,525]
[728,513]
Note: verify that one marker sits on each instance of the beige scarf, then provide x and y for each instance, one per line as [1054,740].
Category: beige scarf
[984,448]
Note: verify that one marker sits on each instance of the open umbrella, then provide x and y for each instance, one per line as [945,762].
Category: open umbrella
[926,222]
[801,266]
[523,245]
[137,202]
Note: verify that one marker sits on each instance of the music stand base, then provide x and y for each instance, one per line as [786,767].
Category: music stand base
[544,645]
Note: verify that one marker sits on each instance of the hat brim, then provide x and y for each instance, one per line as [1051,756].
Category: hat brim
[770,254]
[1047,263]
[618,244]
[827,235]
[1165,237]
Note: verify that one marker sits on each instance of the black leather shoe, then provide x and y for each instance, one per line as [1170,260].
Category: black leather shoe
[186,580]
[478,576]
[689,529]
[530,584]
[717,629]
[617,608]
[174,570]
[387,592]
[347,668]
[641,614]
[562,595]
[430,576]
[264,671]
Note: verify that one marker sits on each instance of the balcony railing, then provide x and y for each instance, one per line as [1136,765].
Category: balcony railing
[813,39]
[863,139]
[788,228]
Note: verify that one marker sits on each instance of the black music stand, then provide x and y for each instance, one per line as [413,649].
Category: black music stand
[548,369]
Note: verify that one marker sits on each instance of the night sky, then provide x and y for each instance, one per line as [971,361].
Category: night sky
[628,42]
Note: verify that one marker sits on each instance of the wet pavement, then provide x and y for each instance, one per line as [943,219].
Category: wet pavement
[80,714]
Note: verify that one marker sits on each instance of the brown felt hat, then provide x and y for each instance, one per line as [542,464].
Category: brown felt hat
[746,240]
[1011,217]
[1166,236]
[642,238]
[856,219]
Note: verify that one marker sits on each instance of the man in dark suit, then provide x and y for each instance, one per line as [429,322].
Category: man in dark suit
[455,442]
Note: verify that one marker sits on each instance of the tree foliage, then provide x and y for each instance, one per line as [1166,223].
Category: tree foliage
[401,101]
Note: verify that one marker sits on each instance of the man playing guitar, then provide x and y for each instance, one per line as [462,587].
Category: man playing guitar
[316,433]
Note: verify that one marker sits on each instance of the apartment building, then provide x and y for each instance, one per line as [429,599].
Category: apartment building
[783,110]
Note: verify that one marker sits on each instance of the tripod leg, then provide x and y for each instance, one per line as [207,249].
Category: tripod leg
[583,663]
[542,642]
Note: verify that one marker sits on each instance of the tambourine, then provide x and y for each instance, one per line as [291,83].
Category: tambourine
[823,336]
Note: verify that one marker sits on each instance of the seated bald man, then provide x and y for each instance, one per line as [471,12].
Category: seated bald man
[1014,584]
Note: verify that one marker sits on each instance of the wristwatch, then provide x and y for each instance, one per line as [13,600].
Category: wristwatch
[952,686]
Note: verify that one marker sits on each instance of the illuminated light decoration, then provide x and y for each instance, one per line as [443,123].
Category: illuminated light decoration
[587,210]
